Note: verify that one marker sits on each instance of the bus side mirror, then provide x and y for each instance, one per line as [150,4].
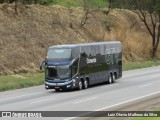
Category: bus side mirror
[71,63]
[41,65]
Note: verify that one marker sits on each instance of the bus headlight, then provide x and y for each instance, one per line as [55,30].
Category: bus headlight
[68,86]
[74,82]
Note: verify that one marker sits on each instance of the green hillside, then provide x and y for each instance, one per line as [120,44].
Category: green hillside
[80,3]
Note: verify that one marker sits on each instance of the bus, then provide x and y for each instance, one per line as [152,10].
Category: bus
[81,65]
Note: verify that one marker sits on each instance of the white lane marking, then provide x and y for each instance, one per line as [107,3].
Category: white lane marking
[142,76]
[70,118]
[42,100]
[154,76]
[137,72]
[85,100]
[127,101]
[110,85]
[22,95]
[146,85]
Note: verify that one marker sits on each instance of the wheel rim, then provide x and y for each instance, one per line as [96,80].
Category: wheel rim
[80,85]
[110,79]
[85,84]
[113,78]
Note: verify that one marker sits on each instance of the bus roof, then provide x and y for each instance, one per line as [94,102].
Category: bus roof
[84,44]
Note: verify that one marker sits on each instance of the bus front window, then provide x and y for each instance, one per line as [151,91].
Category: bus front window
[59,72]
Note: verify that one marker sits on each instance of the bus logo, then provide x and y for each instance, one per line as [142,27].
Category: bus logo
[94,60]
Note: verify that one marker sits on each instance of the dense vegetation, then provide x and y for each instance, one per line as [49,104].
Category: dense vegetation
[66,3]
[44,2]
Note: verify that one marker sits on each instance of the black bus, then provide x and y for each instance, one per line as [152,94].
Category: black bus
[81,65]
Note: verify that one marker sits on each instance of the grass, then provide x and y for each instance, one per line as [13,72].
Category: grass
[70,3]
[80,3]
[137,65]
[9,82]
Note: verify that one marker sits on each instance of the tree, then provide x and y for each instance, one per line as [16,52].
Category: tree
[89,8]
[16,6]
[35,1]
[86,13]
[149,13]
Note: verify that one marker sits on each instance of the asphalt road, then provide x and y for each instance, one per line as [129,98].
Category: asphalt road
[133,86]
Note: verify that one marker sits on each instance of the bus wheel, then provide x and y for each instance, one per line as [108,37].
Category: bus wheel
[85,84]
[80,85]
[109,79]
[113,78]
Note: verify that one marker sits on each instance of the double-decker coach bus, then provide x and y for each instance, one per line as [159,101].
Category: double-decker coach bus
[81,65]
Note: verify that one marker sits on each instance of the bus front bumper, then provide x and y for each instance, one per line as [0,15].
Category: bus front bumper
[64,85]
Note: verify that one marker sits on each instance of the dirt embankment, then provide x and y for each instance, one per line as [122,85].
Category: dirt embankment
[25,37]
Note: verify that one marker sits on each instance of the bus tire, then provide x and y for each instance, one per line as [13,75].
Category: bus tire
[85,84]
[80,85]
[113,78]
[109,79]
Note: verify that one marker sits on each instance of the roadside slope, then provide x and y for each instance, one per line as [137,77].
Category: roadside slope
[26,36]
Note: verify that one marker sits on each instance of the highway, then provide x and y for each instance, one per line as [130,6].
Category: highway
[134,85]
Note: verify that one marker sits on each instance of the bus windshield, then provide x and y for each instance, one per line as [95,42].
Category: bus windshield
[58,72]
[59,53]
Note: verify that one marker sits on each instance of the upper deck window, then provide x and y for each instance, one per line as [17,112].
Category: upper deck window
[59,53]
